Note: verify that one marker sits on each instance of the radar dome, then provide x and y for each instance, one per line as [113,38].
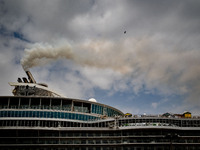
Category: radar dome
[92,100]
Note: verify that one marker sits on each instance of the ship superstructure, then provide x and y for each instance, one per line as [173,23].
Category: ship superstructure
[39,118]
[29,87]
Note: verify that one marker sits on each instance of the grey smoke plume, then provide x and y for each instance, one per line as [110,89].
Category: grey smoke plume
[95,54]
[41,54]
[171,71]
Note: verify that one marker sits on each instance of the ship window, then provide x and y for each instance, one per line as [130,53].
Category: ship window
[24,103]
[79,117]
[36,114]
[83,141]
[97,109]
[66,105]
[86,107]
[76,148]
[62,115]
[90,142]
[4,103]
[45,103]
[85,117]
[48,115]
[98,141]
[41,114]
[35,103]
[63,134]
[14,102]
[55,103]
[77,141]
[72,116]
[90,134]
[105,142]
[100,109]
[78,106]
[83,134]
[55,115]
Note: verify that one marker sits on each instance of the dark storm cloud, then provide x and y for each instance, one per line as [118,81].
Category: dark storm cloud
[45,18]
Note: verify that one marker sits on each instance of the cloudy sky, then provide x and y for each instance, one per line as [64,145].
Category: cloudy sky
[79,48]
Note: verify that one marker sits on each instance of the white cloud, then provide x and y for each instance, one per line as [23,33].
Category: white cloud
[159,53]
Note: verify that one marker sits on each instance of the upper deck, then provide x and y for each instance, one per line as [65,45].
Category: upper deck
[67,108]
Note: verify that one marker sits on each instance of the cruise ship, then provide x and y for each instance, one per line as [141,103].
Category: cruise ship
[36,117]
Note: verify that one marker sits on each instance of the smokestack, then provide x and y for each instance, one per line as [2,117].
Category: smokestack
[19,80]
[25,80]
[30,77]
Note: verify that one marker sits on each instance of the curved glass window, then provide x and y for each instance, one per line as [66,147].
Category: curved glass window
[97,109]
[44,114]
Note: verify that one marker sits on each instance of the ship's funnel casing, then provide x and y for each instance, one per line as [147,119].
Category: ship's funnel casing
[25,80]
[30,77]
[19,80]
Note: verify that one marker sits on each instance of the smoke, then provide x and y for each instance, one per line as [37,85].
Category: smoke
[42,54]
[144,61]
[92,53]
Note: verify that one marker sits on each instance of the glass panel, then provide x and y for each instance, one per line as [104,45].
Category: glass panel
[4,103]
[24,103]
[14,103]
[35,103]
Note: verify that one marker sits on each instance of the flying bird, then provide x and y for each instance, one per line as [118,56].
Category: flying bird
[124,32]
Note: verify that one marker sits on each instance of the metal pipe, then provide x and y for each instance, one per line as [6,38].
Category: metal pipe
[30,77]
[25,80]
